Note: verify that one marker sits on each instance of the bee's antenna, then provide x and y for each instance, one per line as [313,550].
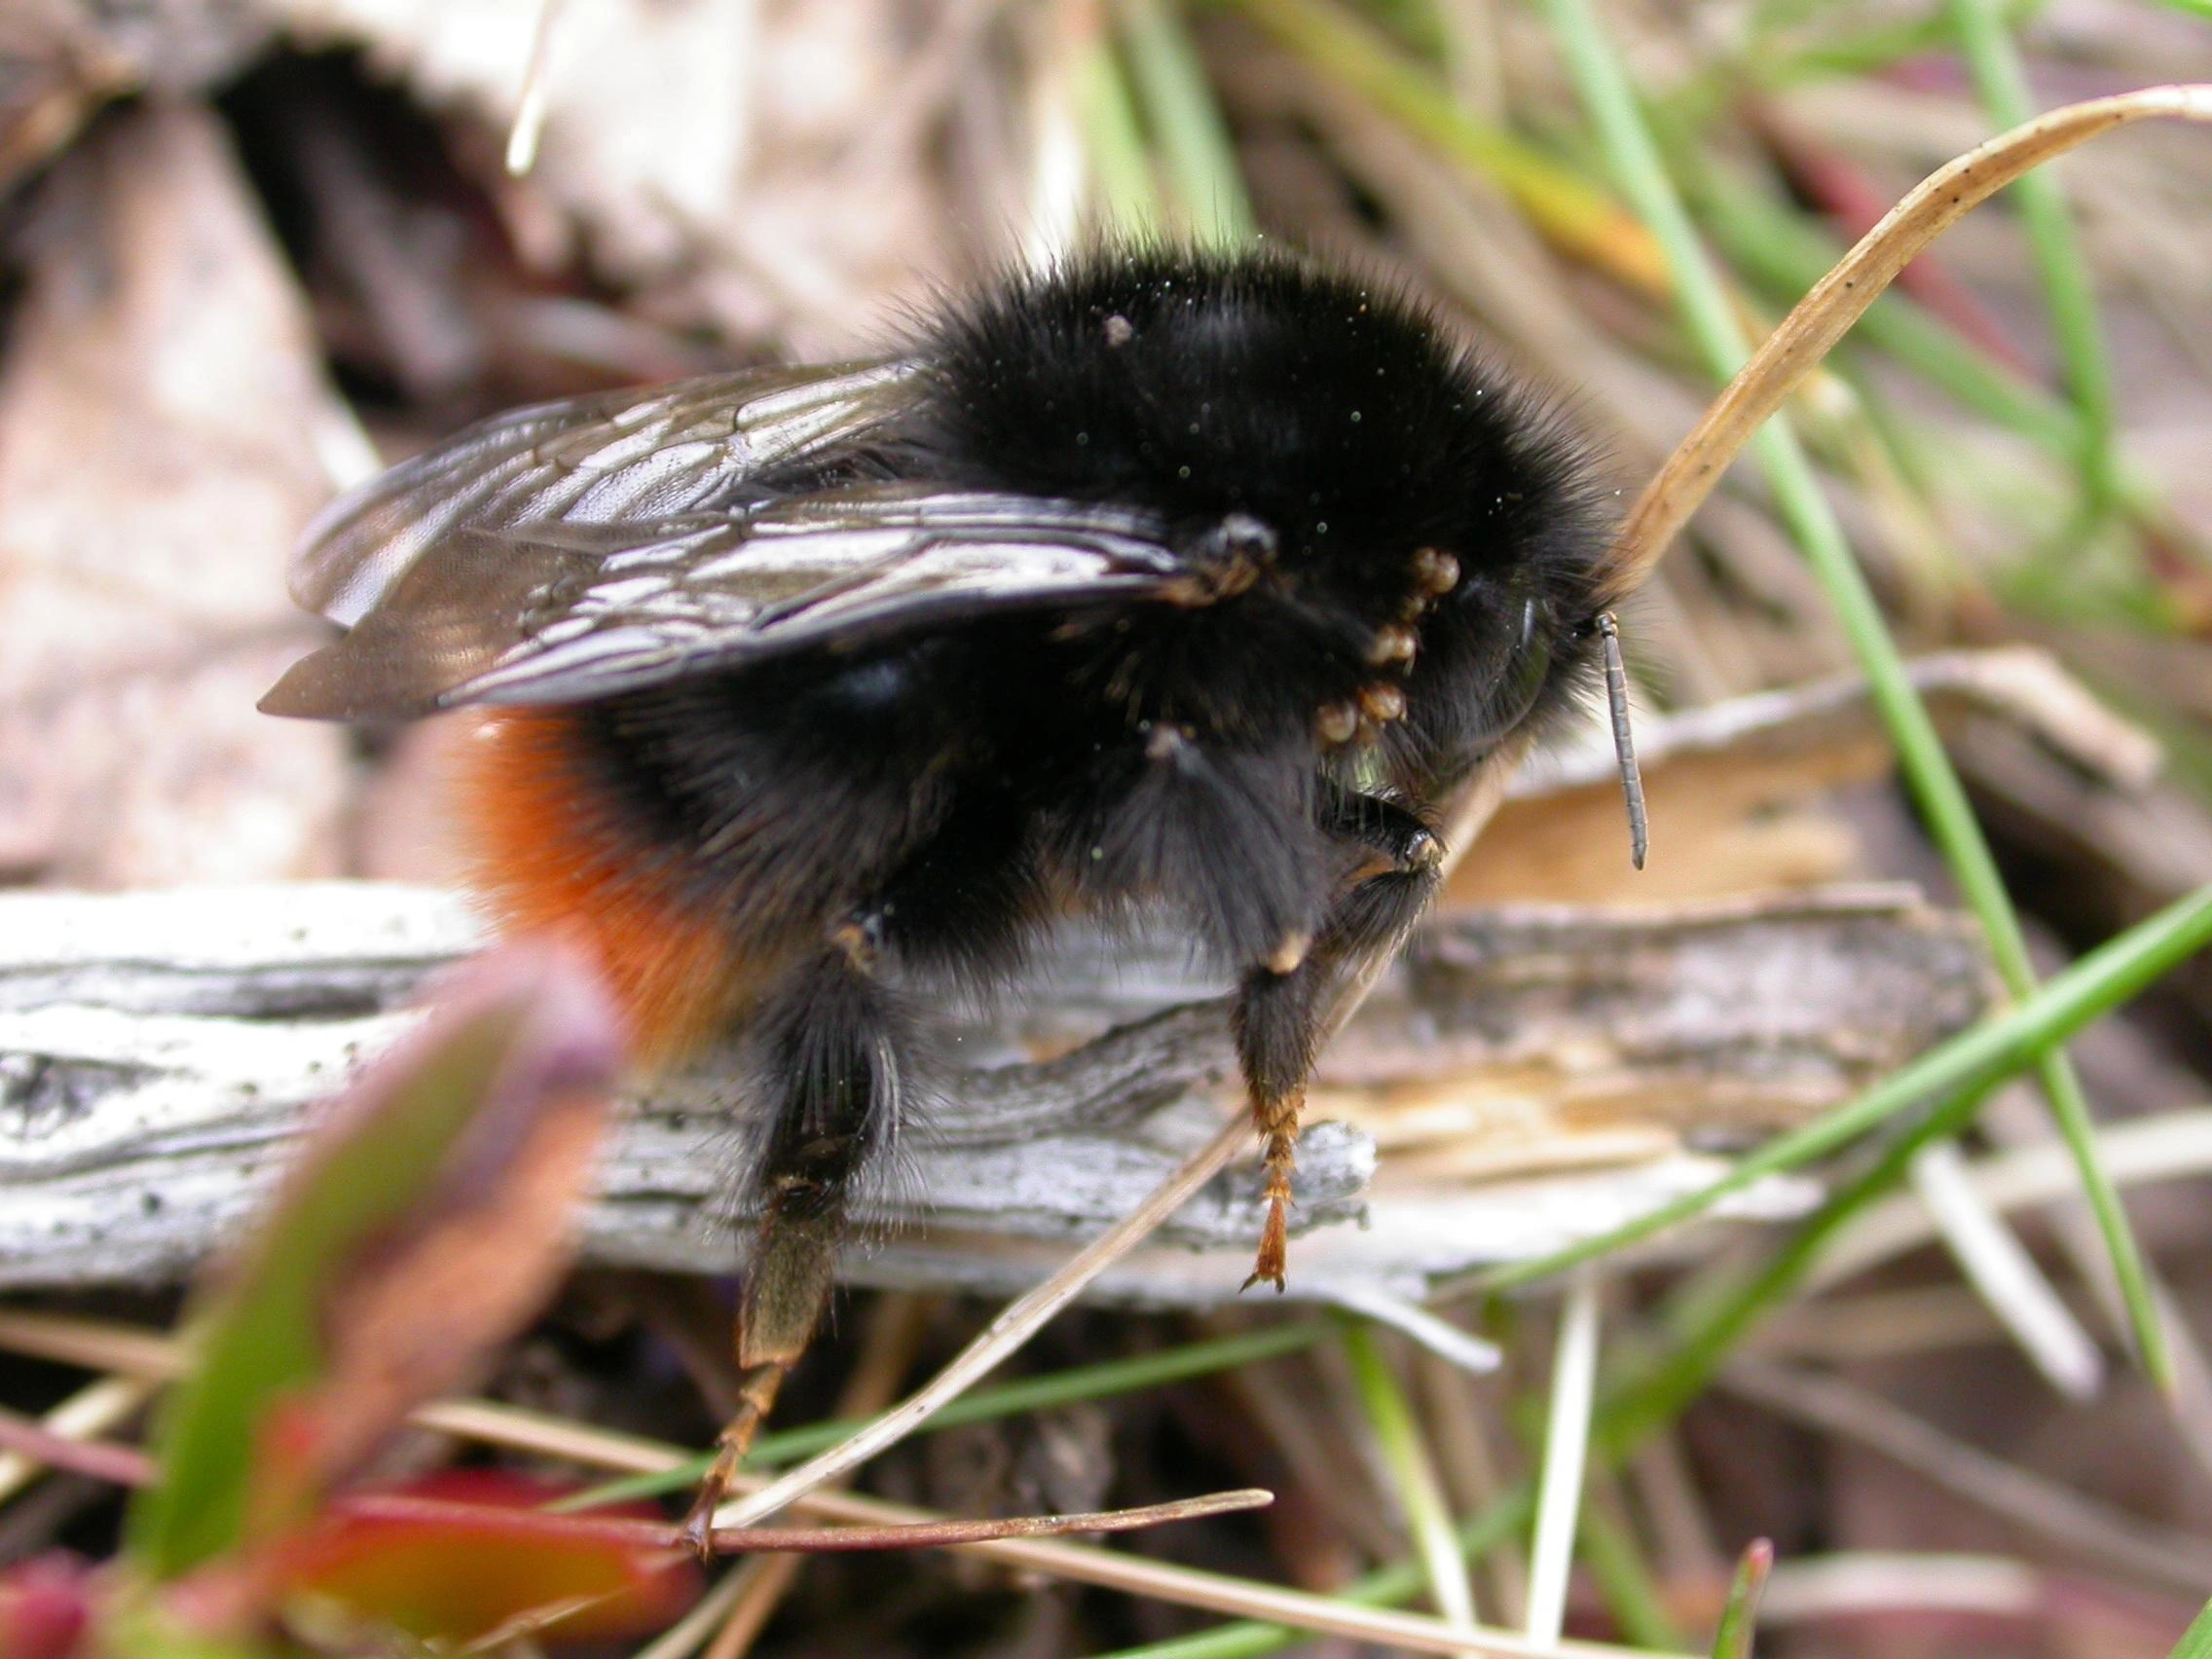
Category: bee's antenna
[1624,740]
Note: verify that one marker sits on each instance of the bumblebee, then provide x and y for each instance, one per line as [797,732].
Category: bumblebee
[1162,583]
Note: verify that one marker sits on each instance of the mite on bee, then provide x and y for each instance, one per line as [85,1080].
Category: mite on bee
[1187,585]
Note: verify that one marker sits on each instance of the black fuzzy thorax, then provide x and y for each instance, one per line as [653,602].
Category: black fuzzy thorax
[1330,408]
[957,787]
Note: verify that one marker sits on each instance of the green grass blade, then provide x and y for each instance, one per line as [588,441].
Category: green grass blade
[1632,1594]
[1185,120]
[1856,49]
[1572,213]
[2196,1641]
[1664,1391]
[1733,1640]
[2069,298]
[1405,1454]
[1124,195]
[1704,303]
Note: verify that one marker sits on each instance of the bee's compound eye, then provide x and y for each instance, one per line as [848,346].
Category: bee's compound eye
[1527,670]
[1520,668]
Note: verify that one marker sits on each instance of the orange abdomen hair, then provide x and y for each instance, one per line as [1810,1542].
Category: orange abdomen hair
[548,852]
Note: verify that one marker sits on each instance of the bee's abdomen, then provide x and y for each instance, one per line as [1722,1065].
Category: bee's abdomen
[554,852]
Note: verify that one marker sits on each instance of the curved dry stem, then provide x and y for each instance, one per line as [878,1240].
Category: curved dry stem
[857,1540]
[1796,348]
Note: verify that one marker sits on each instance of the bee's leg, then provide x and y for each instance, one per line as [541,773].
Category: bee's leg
[825,1052]
[1390,874]
[1276,1022]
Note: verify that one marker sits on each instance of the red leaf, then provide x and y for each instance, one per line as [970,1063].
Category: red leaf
[459,1580]
[45,1609]
[426,1220]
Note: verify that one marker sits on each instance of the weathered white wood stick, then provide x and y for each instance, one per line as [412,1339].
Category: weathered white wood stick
[159,1052]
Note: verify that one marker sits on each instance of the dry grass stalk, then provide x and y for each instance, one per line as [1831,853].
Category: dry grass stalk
[1806,336]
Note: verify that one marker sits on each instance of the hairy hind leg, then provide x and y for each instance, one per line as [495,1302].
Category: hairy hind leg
[831,1059]
[828,1053]
[1392,860]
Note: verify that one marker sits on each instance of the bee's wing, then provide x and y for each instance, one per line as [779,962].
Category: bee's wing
[618,456]
[568,612]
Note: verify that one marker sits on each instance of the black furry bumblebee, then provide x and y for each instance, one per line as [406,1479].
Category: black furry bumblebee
[1163,581]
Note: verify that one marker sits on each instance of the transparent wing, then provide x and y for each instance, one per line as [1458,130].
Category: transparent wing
[562,612]
[623,457]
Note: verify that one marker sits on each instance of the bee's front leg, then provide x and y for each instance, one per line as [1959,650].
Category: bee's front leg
[1390,867]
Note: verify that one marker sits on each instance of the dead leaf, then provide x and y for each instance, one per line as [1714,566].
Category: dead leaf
[689,147]
[164,428]
[63,59]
